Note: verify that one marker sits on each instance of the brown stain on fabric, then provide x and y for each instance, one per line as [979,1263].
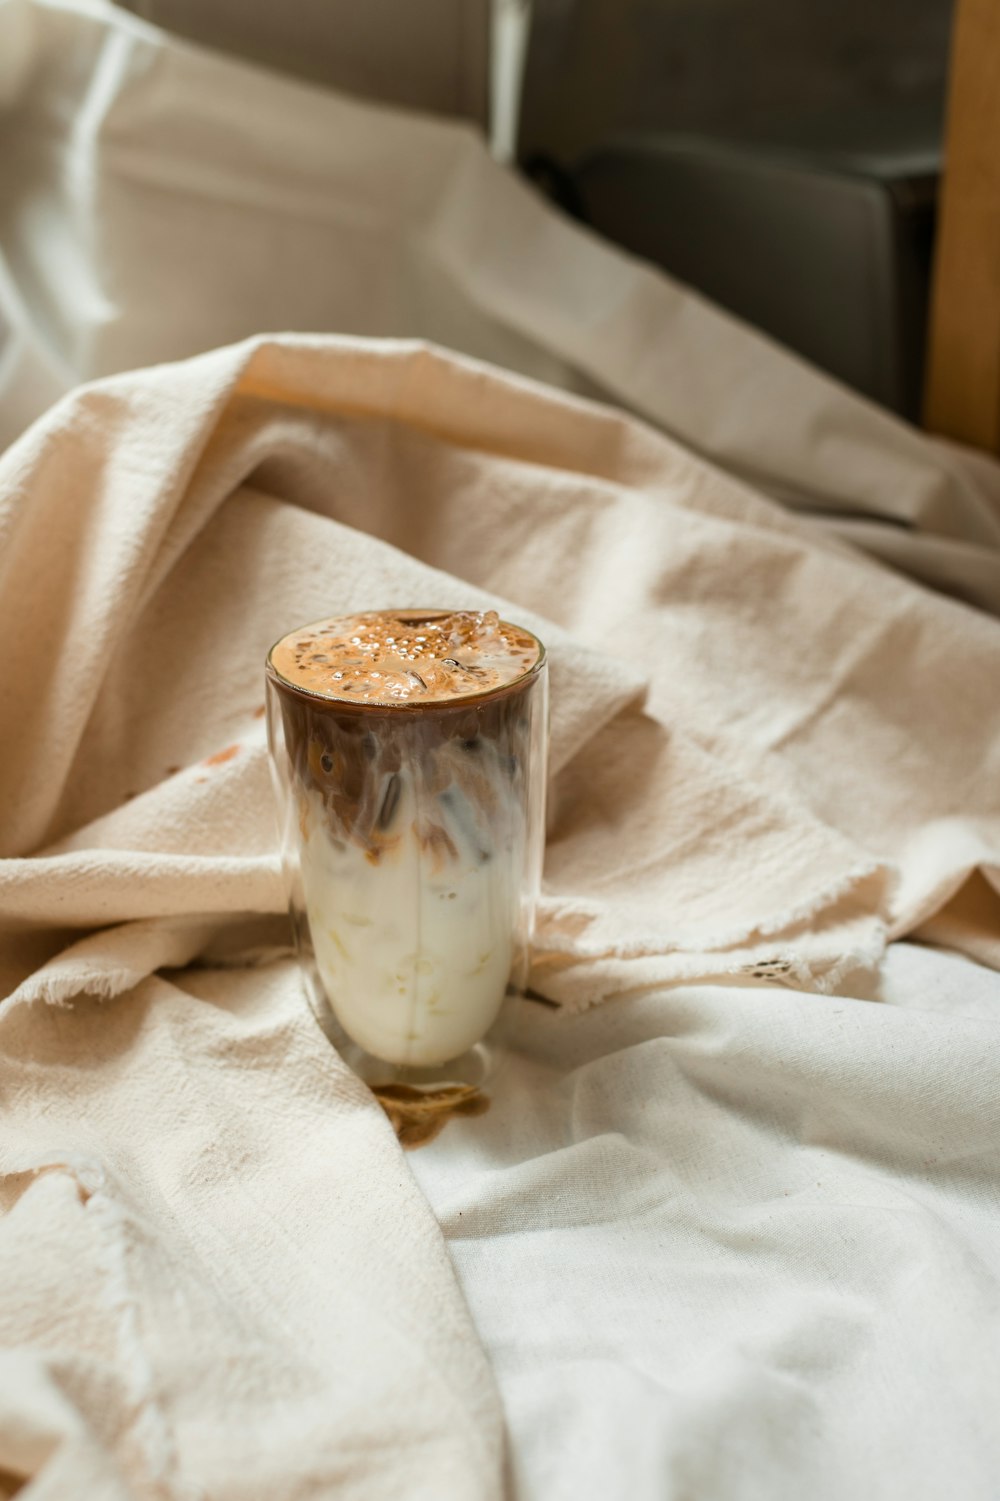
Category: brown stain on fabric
[418,1115]
[222,755]
[12,1485]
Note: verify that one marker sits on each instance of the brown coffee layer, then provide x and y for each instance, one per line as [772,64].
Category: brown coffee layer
[465,761]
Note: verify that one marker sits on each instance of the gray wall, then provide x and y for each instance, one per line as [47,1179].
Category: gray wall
[753,69]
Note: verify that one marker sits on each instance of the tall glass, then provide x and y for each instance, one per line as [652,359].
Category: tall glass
[412,834]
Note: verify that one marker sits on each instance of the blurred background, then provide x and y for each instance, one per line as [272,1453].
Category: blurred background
[781,158]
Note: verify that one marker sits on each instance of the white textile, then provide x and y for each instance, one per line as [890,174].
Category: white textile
[734,1244]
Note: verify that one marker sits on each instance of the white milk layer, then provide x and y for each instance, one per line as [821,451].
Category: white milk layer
[414,951]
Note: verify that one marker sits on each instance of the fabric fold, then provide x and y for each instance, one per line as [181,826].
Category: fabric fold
[133,157]
[215,1283]
[769,756]
[733,699]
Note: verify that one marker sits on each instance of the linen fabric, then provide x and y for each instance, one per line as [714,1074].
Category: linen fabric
[734,702]
[159,199]
[771,756]
[734,1243]
[219,1279]
[813,765]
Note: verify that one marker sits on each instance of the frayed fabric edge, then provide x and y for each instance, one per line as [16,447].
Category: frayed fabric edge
[793,917]
[781,969]
[62,989]
[110,961]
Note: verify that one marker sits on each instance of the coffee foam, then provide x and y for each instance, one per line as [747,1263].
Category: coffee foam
[406,656]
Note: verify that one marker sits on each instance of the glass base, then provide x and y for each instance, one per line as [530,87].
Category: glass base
[472,1070]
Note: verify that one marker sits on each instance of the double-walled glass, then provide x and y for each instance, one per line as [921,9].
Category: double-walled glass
[412,837]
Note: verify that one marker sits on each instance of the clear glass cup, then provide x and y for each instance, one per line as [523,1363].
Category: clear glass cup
[412,836]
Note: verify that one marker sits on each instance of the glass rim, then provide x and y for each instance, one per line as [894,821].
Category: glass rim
[403,706]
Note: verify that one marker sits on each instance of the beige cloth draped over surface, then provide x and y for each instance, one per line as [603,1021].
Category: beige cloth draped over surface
[814,763]
[767,754]
[158,200]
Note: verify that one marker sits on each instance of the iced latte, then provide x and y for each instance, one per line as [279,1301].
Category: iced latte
[409,750]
